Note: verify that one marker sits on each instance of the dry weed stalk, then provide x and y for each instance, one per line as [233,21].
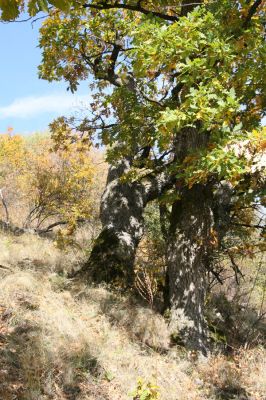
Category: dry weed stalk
[146,286]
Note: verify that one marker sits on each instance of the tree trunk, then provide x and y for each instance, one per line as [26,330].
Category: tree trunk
[122,205]
[188,252]
[4,205]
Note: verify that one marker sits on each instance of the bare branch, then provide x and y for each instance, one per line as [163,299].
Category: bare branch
[248,225]
[235,267]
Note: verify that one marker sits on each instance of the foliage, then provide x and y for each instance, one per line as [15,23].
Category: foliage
[232,161]
[168,71]
[61,181]
[150,265]
[11,9]
[198,71]
[53,185]
[146,391]
[12,155]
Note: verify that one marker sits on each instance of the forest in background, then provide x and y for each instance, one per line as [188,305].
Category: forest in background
[151,252]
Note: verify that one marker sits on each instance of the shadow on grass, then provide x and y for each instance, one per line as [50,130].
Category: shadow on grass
[28,371]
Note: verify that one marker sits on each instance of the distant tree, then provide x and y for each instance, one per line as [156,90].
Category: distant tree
[12,166]
[51,188]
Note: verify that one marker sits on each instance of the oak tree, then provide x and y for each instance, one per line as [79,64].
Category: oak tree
[178,99]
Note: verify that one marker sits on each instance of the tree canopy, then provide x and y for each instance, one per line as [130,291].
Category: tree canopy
[168,70]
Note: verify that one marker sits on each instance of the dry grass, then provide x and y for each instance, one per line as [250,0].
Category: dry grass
[62,340]
[242,377]
[64,343]
[31,251]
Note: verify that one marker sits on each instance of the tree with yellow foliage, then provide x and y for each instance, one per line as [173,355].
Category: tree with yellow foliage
[46,187]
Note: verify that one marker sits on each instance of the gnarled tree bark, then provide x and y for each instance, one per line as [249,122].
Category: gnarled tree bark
[191,222]
[188,252]
[122,205]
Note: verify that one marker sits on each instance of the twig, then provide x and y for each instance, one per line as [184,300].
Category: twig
[251,12]
[248,225]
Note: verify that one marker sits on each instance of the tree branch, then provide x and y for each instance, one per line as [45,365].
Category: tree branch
[248,225]
[137,8]
[151,100]
[111,69]
[215,274]
[251,12]
[235,267]
[50,227]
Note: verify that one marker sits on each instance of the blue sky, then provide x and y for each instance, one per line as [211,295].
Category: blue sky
[27,103]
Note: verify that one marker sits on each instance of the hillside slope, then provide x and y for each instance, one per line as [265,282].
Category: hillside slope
[62,340]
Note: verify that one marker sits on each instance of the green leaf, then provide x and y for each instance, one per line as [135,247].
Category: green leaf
[144,395]
[238,127]
[63,5]
[10,9]
[43,5]
[232,93]
[36,6]
[32,8]
[109,376]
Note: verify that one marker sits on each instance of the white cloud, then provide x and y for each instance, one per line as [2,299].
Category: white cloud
[35,105]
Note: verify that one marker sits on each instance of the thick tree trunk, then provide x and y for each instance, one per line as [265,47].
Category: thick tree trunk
[113,255]
[188,252]
[122,204]
[191,221]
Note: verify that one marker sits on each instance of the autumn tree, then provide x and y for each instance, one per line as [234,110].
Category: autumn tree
[13,157]
[45,188]
[178,99]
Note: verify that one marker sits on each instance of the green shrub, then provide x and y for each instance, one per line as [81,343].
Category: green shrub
[146,391]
